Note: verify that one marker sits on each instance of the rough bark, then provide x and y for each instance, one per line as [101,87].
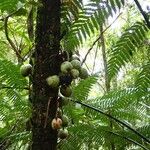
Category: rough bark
[46,63]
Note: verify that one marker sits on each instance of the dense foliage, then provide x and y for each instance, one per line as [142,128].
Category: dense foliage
[108,110]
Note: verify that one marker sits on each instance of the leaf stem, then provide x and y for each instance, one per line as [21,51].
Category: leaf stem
[145,16]
[115,119]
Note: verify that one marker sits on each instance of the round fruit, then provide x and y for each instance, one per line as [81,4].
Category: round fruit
[74,73]
[53,81]
[65,67]
[62,134]
[76,64]
[56,123]
[65,121]
[25,70]
[65,101]
[66,90]
[83,73]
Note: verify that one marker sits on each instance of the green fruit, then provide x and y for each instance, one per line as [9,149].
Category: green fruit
[65,67]
[66,90]
[83,73]
[74,73]
[53,81]
[65,121]
[76,64]
[62,134]
[65,101]
[25,70]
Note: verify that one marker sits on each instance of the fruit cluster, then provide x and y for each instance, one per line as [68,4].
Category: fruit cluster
[69,71]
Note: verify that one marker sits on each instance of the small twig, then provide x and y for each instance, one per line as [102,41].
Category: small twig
[20,44]
[115,119]
[15,41]
[145,16]
[99,38]
[7,36]
[101,87]
[29,53]
[47,110]
[95,59]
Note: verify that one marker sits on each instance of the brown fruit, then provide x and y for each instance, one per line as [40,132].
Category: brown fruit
[56,123]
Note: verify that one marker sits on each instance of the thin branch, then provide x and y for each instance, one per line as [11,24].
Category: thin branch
[106,79]
[95,59]
[102,41]
[14,38]
[21,43]
[30,24]
[101,86]
[99,38]
[145,16]
[29,53]
[7,36]
[115,119]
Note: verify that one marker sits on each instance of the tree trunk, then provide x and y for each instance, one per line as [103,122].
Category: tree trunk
[107,81]
[46,63]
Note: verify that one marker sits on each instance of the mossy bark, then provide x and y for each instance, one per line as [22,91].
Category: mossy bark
[46,63]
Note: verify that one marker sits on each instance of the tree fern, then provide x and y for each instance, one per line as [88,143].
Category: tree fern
[125,47]
[87,128]
[89,20]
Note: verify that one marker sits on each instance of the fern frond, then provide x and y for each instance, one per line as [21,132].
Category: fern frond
[9,5]
[10,75]
[3,52]
[142,82]
[116,101]
[81,91]
[89,20]
[125,48]
[96,136]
